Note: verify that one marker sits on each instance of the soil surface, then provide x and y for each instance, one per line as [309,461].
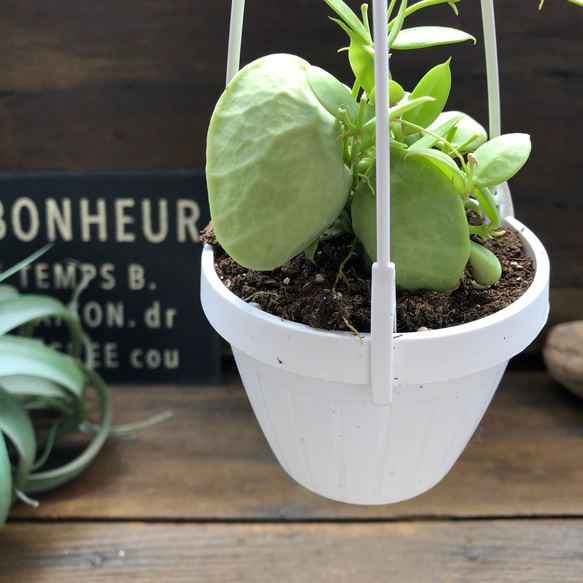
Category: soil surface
[333,291]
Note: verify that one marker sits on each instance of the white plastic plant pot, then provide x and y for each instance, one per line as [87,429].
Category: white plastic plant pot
[311,393]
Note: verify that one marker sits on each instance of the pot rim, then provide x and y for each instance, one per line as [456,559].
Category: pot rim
[462,349]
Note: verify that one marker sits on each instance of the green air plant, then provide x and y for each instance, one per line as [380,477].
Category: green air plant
[291,160]
[42,397]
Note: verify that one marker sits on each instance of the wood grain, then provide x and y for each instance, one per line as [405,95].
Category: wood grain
[211,462]
[440,552]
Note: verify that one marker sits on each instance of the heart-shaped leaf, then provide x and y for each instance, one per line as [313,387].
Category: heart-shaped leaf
[429,232]
[275,170]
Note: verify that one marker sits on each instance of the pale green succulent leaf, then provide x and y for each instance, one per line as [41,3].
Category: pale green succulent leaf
[265,212]
[429,233]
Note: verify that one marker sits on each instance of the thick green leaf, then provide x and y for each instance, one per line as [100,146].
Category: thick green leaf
[500,159]
[5,482]
[486,269]
[264,218]
[16,425]
[429,228]
[444,164]
[429,36]
[436,83]
[331,93]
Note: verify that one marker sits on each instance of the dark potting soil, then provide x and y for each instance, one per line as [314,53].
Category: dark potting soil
[333,291]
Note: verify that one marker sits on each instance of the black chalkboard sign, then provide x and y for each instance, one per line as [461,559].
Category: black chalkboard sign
[136,236]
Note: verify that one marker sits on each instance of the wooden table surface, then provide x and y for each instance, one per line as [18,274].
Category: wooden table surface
[200,498]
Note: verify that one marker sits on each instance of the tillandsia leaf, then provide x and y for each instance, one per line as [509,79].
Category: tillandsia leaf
[331,93]
[500,159]
[42,481]
[48,444]
[439,131]
[16,425]
[444,164]
[5,482]
[26,357]
[351,20]
[23,309]
[436,83]
[7,291]
[37,392]
[32,257]
[486,269]
[421,37]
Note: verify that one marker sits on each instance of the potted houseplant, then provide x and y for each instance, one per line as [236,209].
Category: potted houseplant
[291,162]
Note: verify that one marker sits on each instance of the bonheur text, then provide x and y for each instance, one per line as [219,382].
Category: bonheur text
[120,220]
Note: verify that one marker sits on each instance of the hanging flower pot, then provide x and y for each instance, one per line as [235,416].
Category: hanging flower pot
[379,417]
[311,392]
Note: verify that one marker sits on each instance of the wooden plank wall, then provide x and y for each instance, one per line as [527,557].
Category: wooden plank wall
[130,84]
